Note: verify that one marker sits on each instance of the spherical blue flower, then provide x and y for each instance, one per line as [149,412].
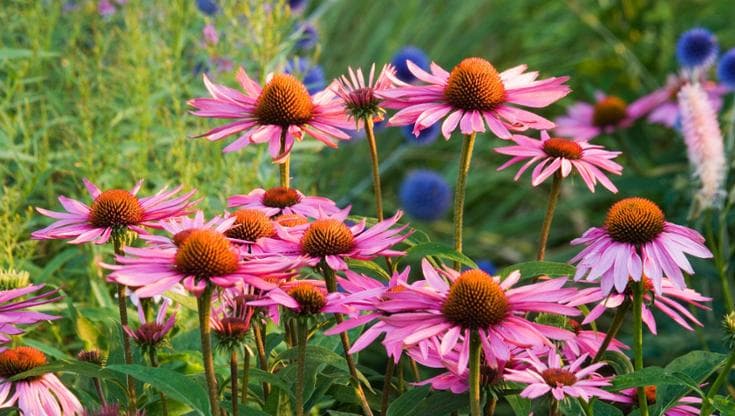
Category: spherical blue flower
[425,137]
[487,266]
[297,5]
[726,69]
[208,7]
[312,75]
[413,54]
[308,37]
[425,195]
[696,47]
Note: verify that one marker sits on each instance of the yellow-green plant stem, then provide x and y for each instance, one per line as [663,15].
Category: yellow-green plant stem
[373,144]
[387,380]
[245,375]
[549,217]
[153,356]
[233,382]
[719,381]
[122,304]
[204,307]
[284,168]
[259,335]
[475,364]
[615,326]
[331,282]
[465,159]
[554,408]
[301,340]
[638,342]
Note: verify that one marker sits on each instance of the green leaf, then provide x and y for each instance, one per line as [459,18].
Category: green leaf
[724,404]
[441,403]
[10,53]
[697,366]
[520,405]
[600,408]
[368,267]
[405,404]
[531,269]
[259,376]
[649,376]
[440,251]
[175,385]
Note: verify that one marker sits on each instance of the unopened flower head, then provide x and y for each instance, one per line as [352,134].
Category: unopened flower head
[728,324]
[585,121]
[360,94]
[93,356]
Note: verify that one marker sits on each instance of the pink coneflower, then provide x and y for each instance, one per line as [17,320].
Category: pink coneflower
[560,380]
[179,227]
[361,99]
[150,335]
[587,341]
[705,147]
[278,113]
[435,312]
[14,309]
[661,105]
[194,257]
[231,319]
[279,201]
[35,395]
[111,211]
[553,155]
[685,406]
[249,228]
[329,239]
[667,301]
[585,121]
[472,95]
[302,297]
[635,240]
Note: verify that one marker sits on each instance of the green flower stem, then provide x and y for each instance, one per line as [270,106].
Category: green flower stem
[638,342]
[245,375]
[719,381]
[331,282]
[549,217]
[370,133]
[153,356]
[475,356]
[554,408]
[284,168]
[492,403]
[387,380]
[259,335]
[204,307]
[617,323]
[233,382]
[459,191]
[301,336]
[122,304]
[586,407]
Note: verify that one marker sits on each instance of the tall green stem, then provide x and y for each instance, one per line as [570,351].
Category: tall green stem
[617,323]
[284,168]
[719,381]
[459,192]
[549,217]
[638,342]
[259,335]
[370,133]
[204,307]
[475,364]
[153,356]
[301,335]
[245,375]
[122,305]
[387,380]
[331,282]
[554,408]
[233,382]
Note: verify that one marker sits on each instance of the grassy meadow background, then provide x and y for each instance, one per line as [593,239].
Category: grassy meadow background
[82,95]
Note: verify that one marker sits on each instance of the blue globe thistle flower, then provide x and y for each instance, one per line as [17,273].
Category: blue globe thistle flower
[487,266]
[726,69]
[308,37]
[425,137]
[208,7]
[425,195]
[297,5]
[413,54]
[312,75]
[696,47]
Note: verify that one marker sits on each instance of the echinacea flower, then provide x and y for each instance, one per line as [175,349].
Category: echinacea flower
[111,211]
[585,121]
[587,341]
[279,201]
[425,195]
[726,69]
[231,318]
[328,239]
[150,335]
[403,56]
[696,48]
[667,301]
[360,95]
[14,309]
[302,297]
[282,109]
[472,95]
[34,395]
[447,306]
[250,226]
[634,240]
[685,406]
[705,147]
[572,380]
[196,258]
[558,155]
